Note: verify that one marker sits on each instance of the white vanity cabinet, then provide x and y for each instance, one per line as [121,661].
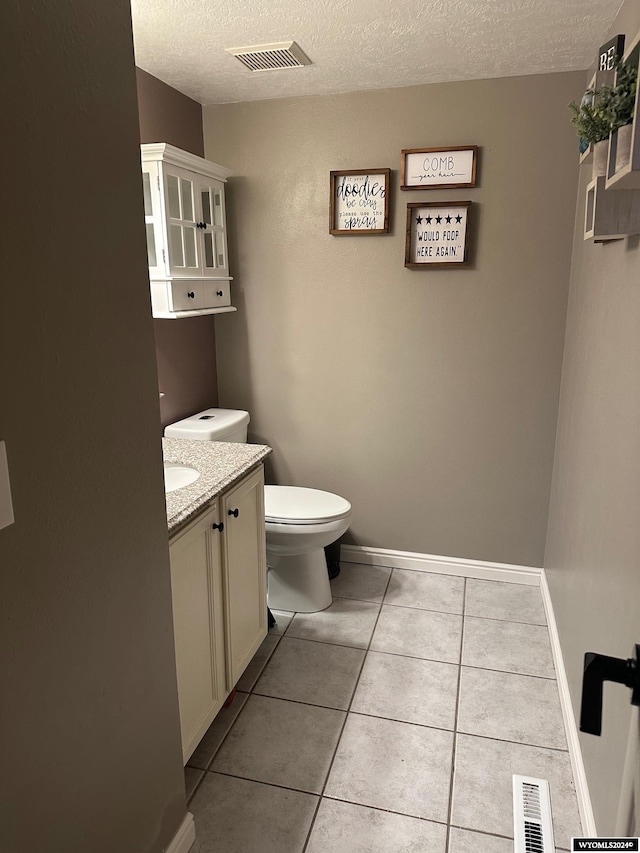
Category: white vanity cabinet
[185,220]
[218,585]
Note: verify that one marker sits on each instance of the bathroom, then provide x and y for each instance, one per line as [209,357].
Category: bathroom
[434,401]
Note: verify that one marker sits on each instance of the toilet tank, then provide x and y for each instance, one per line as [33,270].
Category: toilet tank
[212,425]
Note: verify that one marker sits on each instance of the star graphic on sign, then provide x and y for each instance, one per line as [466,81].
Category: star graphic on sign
[429,220]
[438,219]
[419,220]
[458,218]
[448,219]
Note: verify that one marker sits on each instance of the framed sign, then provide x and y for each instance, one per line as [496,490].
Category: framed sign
[438,168]
[359,202]
[610,52]
[437,234]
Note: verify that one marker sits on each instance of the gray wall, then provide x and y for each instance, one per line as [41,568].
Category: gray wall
[593,546]
[185,350]
[90,730]
[427,398]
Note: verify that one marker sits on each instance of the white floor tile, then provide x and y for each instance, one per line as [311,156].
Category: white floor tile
[366,583]
[511,601]
[239,816]
[280,742]
[464,841]
[511,707]
[346,622]
[408,689]
[346,828]
[507,646]
[394,766]
[418,633]
[425,591]
[317,673]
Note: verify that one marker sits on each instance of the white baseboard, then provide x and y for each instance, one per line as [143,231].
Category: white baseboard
[529,575]
[570,726]
[185,836]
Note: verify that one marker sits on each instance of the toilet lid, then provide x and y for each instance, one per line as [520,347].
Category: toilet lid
[295,505]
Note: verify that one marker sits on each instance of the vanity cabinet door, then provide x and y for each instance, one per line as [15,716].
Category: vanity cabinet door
[198,622]
[244,572]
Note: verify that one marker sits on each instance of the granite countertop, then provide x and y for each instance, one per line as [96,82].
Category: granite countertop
[220,463]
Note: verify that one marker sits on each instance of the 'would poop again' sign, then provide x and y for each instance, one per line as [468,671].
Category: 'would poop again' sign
[437,234]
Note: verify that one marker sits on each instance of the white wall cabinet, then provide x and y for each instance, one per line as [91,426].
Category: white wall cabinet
[218,584]
[185,220]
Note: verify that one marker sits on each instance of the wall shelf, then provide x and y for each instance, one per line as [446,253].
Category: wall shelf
[610,215]
[628,177]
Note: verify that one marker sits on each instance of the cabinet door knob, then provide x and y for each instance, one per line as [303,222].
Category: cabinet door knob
[191,294]
[234,512]
[219,527]
[202,225]
[219,293]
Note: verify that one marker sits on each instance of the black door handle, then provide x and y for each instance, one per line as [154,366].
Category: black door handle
[219,527]
[597,670]
[234,512]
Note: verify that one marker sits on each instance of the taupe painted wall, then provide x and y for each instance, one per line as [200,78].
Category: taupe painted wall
[593,547]
[427,398]
[90,731]
[185,349]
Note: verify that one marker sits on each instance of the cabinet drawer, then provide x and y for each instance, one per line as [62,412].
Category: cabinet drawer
[186,295]
[217,294]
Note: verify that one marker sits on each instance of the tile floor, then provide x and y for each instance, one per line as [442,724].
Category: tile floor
[389,723]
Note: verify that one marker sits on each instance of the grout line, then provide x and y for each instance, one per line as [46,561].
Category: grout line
[457,613]
[326,643]
[455,727]
[510,672]
[512,621]
[346,717]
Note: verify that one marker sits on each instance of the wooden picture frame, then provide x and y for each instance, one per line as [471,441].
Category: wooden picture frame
[438,168]
[432,241]
[359,201]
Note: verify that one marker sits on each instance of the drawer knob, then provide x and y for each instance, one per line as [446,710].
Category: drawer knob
[219,527]
[219,293]
[234,512]
[191,294]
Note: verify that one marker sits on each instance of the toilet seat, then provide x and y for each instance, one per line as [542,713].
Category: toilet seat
[298,505]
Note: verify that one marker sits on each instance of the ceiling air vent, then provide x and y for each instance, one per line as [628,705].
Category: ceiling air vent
[269,57]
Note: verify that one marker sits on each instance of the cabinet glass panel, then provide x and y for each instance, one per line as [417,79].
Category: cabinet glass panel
[206,206]
[175,236]
[208,250]
[220,249]
[186,192]
[151,245]
[173,191]
[146,188]
[190,247]
[217,208]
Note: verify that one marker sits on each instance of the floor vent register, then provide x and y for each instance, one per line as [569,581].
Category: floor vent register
[532,826]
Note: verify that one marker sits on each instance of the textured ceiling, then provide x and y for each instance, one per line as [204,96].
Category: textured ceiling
[362,44]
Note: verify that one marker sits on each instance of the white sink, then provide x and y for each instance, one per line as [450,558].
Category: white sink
[177,476]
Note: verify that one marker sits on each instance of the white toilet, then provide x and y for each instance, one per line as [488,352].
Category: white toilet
[299,522]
